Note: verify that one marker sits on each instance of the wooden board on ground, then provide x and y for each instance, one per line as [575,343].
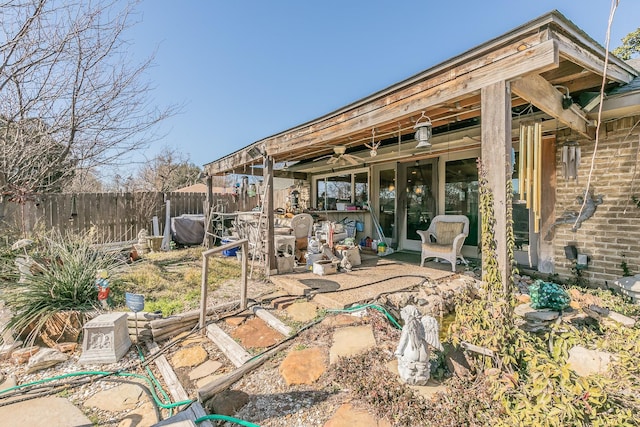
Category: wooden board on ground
[178,393]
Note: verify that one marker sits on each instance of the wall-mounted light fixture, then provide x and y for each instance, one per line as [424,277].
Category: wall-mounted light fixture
[567,101]
[423,132]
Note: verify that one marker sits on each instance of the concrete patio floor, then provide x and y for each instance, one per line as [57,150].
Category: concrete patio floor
[376,275]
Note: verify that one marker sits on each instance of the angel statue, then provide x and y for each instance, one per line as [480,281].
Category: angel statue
[413,349]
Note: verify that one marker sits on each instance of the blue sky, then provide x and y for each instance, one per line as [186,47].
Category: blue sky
[245,70]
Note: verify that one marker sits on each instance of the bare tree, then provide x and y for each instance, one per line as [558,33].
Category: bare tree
[70,96]
[168,171]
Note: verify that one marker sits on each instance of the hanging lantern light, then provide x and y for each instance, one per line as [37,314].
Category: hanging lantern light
[423,132]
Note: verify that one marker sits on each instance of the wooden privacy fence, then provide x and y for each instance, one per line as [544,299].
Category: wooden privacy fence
[116,217]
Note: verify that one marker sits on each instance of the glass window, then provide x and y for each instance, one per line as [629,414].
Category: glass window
[387,201]
[345,188]
[361,181]
[461,194]
[421,204]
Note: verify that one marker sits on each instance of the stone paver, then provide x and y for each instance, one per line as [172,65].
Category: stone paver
[303,366]
[190,356]
[43,412]
[302,311]
[207,368]
[120,398]
[144,415]
[350,341]
[255,333]
[585,362]
[341,320]
[348,416]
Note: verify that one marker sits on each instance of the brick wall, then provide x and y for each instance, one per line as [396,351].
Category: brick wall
[612,234]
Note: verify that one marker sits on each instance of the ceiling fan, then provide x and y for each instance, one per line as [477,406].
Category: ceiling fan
[340,157]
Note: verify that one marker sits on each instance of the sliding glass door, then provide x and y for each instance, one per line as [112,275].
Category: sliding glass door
[418,200]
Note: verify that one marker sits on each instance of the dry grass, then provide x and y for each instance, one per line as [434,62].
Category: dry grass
[170,281]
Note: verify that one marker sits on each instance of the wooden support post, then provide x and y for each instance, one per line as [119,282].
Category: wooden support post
[270,255]
[496,161]
[203,292]
[244,243]
[208,238]
[243,284]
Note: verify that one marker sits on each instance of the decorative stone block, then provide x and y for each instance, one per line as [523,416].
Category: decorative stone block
[106,339]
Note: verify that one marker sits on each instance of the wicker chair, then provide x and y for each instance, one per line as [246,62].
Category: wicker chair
[444,239]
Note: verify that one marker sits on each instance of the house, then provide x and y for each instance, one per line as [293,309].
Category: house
[525,103]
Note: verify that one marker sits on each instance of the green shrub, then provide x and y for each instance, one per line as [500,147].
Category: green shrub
[62,280]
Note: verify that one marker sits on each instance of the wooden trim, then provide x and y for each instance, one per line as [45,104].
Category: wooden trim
[591,61]
[541,57]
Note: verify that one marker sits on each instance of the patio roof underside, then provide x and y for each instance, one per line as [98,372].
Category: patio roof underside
[536,58]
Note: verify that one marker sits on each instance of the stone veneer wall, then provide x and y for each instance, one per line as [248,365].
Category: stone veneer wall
[612,234]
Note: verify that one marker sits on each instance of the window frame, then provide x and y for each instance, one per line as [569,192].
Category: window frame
[352,173]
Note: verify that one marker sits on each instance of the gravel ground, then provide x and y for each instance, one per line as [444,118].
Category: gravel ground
[270,402]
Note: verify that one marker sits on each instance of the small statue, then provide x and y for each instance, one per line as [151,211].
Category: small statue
[577,218]
[413,349]
[102,285]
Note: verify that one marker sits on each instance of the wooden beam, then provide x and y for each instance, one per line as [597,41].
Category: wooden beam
[539,58]
[251,154]
[496,162]
[591,61]
[543,95]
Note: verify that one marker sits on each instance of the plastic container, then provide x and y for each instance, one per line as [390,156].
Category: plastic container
[229,252]
[382,248]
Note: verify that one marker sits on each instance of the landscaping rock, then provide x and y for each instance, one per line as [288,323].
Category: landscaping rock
[457,363]
[67,347]
[525,310]
[629,286]
[622,319]
[45,358]
[207,368]
[190,356]
[255,333]
[585,362]
[121,398]
[7,349]
[303,366]
[350,341]
[235,320]
[227,403]
[22,355]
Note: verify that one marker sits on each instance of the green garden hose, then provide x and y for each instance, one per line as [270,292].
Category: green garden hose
[363,306]
[226,418]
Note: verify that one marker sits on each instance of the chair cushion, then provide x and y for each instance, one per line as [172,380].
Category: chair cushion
[436,248]
[447,231]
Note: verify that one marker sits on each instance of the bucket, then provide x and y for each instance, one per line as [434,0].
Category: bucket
[229,252]
[382,248]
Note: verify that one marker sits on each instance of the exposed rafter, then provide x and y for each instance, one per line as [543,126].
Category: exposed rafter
[543,95]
